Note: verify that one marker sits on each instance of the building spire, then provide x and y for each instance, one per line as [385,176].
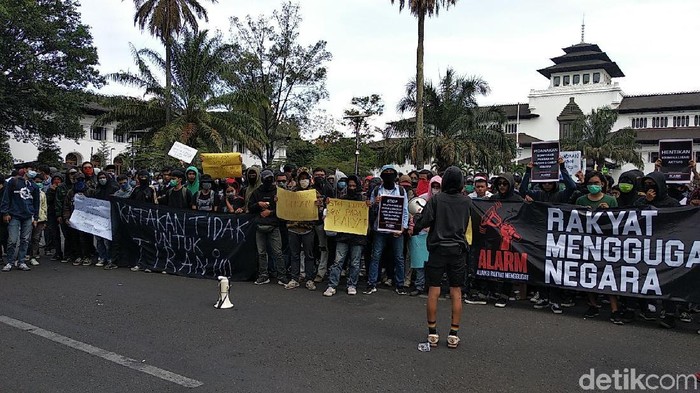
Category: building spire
[583,28]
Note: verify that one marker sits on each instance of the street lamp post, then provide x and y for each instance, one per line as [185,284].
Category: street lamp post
[357,120]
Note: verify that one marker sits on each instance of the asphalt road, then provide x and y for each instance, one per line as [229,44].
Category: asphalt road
[300,341]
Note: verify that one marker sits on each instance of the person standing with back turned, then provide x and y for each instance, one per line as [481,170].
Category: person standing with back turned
[447,215]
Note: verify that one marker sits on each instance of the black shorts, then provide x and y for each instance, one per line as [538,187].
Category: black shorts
[453,265]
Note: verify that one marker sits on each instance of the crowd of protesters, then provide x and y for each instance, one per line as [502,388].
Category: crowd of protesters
[37,203]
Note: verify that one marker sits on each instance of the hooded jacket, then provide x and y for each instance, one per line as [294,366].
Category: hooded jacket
[20,199]
[61,192]
[510,196]
[51,195]
[250,188]
[303,226]
[429,194]
[143,193]
[350,238]
[447,215]
[662,199]
[628,199]
[264,194]
[194,186]
[554,196]
[104,192]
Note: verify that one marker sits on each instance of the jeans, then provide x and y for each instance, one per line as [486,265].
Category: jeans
[103,248]
[19,233]
[380,241]
[341,251]
[420,278]
[53,235]
[275,240]
[36,238]
[323,247]
[296,242]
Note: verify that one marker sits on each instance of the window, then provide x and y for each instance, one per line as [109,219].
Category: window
[99,133]
[577,79]
[586,79]
[681,121]
[133,138]
[565,130]
[640,122]
[664,122]
[119,138]
[697,120]
[596,77]
[511,128]
[567,80]
[653,156]
[556,81]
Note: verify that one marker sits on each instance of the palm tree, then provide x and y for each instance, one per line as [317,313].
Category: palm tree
[458,131]
[420,9]
[202,111]
[166,19]
[592,134]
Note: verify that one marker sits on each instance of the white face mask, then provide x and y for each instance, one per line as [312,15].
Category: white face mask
[435,191]
[304,183]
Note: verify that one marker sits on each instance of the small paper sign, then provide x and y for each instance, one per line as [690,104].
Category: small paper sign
[182,152]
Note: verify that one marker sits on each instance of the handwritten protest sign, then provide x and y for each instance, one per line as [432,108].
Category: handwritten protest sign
[675,155]
[221,165]
[92,216]
[391,214]
[544,159]
[297,206]
[347,217]
[572,162]
[182,152]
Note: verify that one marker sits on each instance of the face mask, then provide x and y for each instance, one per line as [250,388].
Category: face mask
[252,179]
[143,180]
[268,181]
[318,180]
[352,191]
[388,180]
[594,189]
[230,194]
[626,187]
[282,184]
[435,191]
[342,185]
[173,183]
[206,186]
[31,174]
[88,171]
[80,186]
[125,186]
[304,183]
[102,181]
[649,187]
[40,185]
[160,181]
[469,188]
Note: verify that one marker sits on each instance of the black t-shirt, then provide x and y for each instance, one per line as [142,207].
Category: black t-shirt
[180,199]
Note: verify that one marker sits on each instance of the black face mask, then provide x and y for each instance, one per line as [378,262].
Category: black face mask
[648,187]
[268,181]
[388,180]
[252,179]
[318,181]
[351,191]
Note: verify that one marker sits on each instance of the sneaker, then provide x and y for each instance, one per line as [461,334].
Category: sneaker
[310,285]
[7,267]
[111,266]
[100,263]
[56,258]
[282,283]
[415,292]
[64,260]
[262,280]
[475,299]
[616,318]
[292,284]
[370,290]
[541,304]
[668,321]
[647,315]
[318,279]
[77,262]
[34,262]
[502,302]
[389,282]
[87,261]
[556,308]
[135,269]
[401,291]
[685,317]
[147,270]
[330,291]
[452,341]
[592,312]
[23,267]
[568,303]
[352,291]
[433,340]
[535,298]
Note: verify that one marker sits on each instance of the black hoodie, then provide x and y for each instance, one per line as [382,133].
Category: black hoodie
[628,199]
[510,196]
[447,215]
[264,193]
[662,199]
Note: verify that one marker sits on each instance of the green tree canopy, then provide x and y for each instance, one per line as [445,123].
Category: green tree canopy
[47,61]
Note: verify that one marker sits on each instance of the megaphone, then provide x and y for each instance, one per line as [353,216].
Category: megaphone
[416,205]
[223,301]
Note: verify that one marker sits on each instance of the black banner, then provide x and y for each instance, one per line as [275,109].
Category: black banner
[675,156]
[184,242]
[545,161]
[642,253]
[391,213]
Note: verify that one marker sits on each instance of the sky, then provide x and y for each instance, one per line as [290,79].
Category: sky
[504,42]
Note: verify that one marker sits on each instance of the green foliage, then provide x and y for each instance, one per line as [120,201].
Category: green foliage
[47,60]
[301,152]
[340,155]
[285,78]
[49,153]
[362,110]
[592,134]
[102,154]
[167,18]
[6,160]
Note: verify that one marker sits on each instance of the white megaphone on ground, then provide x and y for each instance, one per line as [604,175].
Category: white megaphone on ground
[223,301]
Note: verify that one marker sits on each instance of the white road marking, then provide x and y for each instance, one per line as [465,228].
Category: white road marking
[104,354]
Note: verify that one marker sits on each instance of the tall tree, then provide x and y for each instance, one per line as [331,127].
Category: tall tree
[420,9]
[593,135]
[166,19]
[47,61]
[458,131]
[289,78]
[200,115]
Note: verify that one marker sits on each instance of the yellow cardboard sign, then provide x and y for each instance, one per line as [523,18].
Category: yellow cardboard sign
[297,206]
[347,217]
[222,165]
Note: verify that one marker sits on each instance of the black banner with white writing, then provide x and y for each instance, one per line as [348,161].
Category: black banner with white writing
[184,242]
[675,155]
[545,162]
[643,253]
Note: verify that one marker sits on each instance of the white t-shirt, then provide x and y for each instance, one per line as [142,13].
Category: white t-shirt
[474,196]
